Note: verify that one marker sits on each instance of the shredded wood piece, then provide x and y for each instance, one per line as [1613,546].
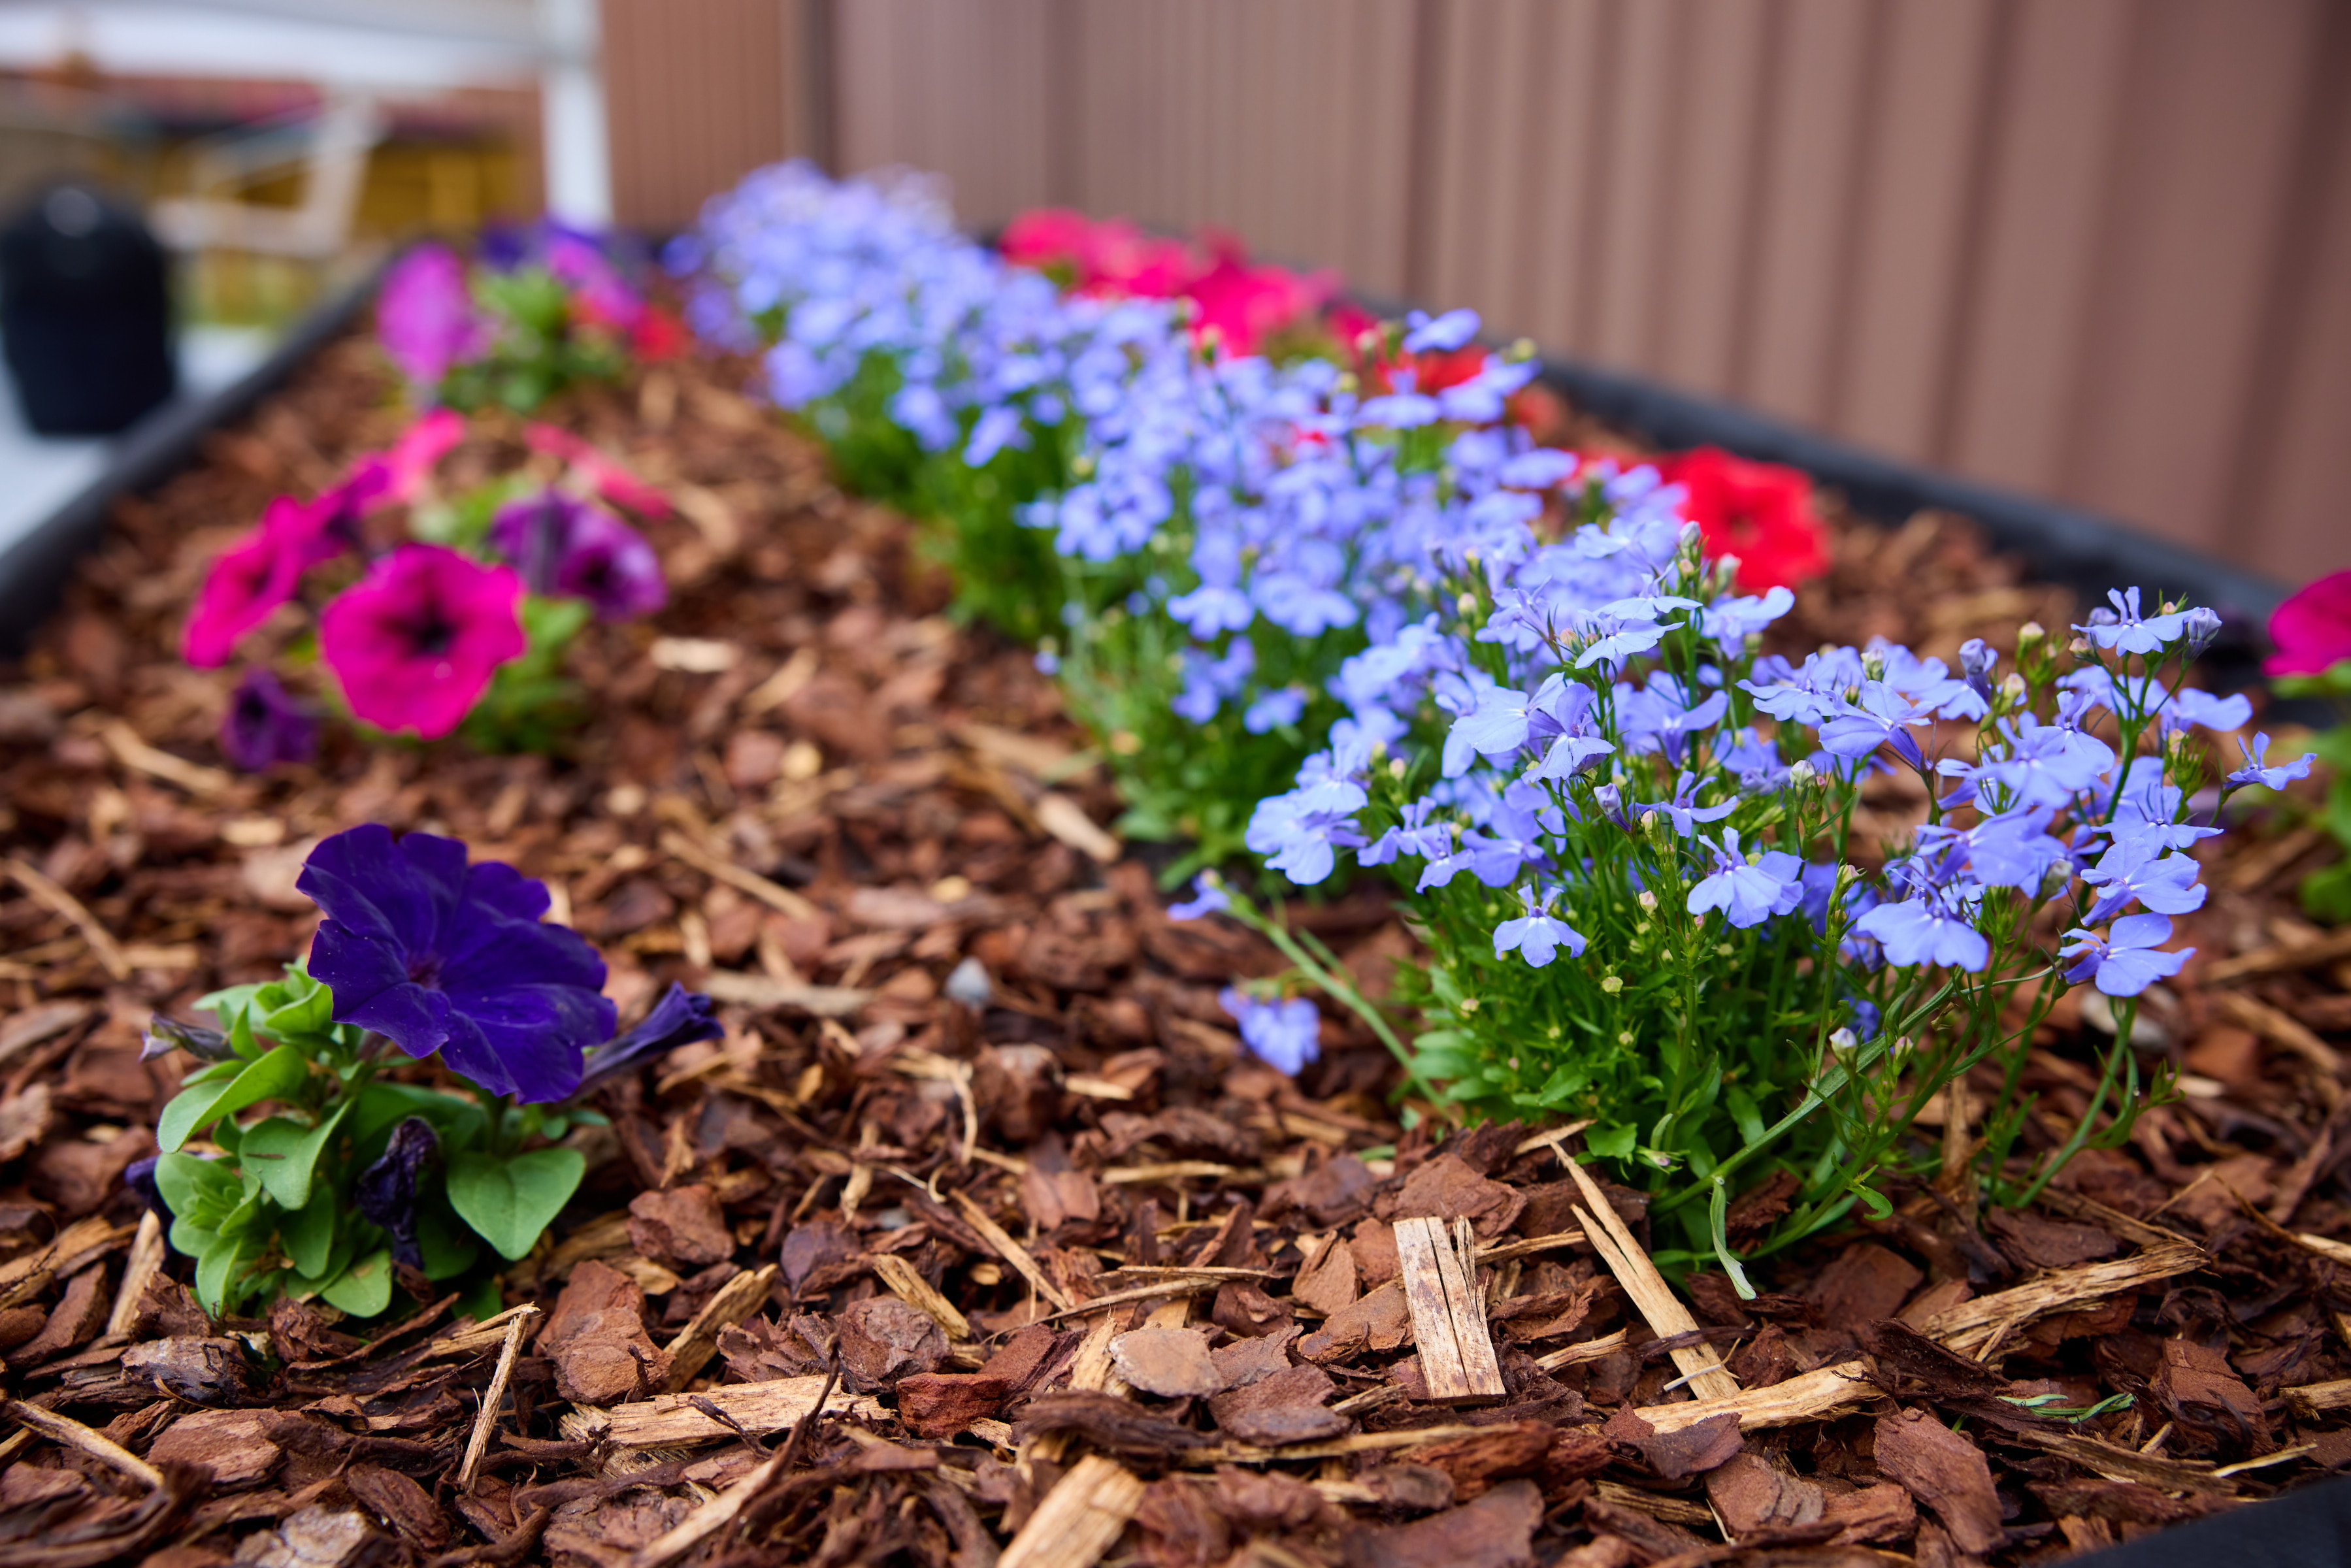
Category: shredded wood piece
[1974,1328]
[758,991]
[2325,1247]
[774,895]
[2258,867]
[1160,1291]
[790,677]
[918,1063]
[1079,1518]
[1091,1368]
[2284,1029]
[1801,1398]
[28,1275]
[1208,1455]
[135,753]
[1012,1251]
[1701,1367]
[708,1519]
[2312,1398]
[2280,959]
[674,1421]
[491,1330]
[2073,1205]
[2282,1456]
[733,1301]
[1066,821]
[1448,1318]
[40,1025]
[1588,1350]
[138,1272]
[1049,762]
[903,1283]
[72,1434]
[1167,1170]
[492,1396]
[2120,1464]
[1672,1509]
[57,901]
[1502,1251]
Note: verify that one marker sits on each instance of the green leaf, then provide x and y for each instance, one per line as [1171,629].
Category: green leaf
[1610,1143]
[199,1191]
[448,1247]
[308,1009]
[219,1270]
[511,1202]
[309,1236]
[364,1289]
[282,1153]
[273,1077]
[459,1123]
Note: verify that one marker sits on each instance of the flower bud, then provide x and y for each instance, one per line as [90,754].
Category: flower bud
[164,1034]
[2203,624]
[679,1017]
[1842,1041]
[1648,900]
[2012,687]
[385,1193]
[1467,604]
[1802,773]
[2029,634]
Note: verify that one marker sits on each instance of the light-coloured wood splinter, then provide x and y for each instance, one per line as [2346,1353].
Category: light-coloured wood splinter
[1701,1367]
[1079,1520]
[1806,1396]
[1448,1315]
[487,1417]
[696,1343]
[677,1420]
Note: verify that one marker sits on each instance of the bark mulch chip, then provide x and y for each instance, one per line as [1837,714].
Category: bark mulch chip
[977,1239]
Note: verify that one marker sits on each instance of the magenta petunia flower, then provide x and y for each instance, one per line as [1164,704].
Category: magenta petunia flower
[424,315]
[415,642]
[2313,628]
[574,548]
[248,580]
[411,459]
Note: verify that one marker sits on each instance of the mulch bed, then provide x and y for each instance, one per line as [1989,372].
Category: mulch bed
[973,1074]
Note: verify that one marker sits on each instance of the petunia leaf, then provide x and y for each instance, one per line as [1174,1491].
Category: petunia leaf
[198,1192]
[307,1008]
[309,1236]
[282,1153]
[275,1077]
[511,1202]
[364,1289]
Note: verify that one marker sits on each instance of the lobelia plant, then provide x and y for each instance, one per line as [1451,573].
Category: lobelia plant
[462,625]
[1632,845]
[354,1177]
[547,307]
[2312,633]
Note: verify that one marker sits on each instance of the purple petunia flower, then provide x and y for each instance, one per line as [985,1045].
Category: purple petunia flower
[264,724]
[1749,894]
[679,1017]
[567,547]
[2257,769]
[2127,960]
[1536,935]
[438,955]
[425,315]
[1287,1035]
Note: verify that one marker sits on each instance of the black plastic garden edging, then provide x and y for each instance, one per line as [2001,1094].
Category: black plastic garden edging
[34,568]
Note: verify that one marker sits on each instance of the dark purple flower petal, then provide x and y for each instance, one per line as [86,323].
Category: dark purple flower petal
[385,1193]
[166,1034]
[679,1017]
[264,724]
[139,1176]
[439,957]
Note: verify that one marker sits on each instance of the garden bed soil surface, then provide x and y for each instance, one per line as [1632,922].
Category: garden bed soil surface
[981,1143]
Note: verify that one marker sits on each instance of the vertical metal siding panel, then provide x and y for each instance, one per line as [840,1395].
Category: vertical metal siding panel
[2202,189]
[2301,505]
[2021,365]
[1808,202]
[1640,152]
[1713,193]
[697,97]
[1566,160]
[1911,237]
[866,49]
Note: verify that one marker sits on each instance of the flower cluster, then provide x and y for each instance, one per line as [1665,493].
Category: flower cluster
[2312,633]
[544,307]
[488,586]
[354,1178]
[1242,307]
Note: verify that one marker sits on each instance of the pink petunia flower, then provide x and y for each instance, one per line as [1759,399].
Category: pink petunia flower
[424,314]
[2313,628]
[250,579]
[415,642]
[411,459]
[604,477]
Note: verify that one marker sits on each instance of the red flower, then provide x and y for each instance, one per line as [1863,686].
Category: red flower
[657,334]
[1760,512]
[2313,628]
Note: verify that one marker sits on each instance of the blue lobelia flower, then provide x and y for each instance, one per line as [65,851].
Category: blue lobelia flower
[1287,1035]
[1447,331]
[1536,935]
[438,955]
[1749,894]
[1207,898]
[2137,867]
[2123,628]
[2125,961]
[2257,769]
[1274,709]
[679,1017]
[1930,927]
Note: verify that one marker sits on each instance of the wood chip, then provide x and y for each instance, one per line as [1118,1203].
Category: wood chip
[674,1420]
[2284,1029]
[1066,821]
[2313,1399]
[903,1282]
[2281,960]
[1589,1350]
[138,1272]
[1804,1397]
[711,1517]
[1080,1518]
[1699,1364]
[1527,1246]
[1975,1328]
[733,1301]
[40,1025]
[72,1434]
[1012,1251]
[140,757]
[758,991]
[488,1417]
[57,901]
[1448,1314]
[774,895]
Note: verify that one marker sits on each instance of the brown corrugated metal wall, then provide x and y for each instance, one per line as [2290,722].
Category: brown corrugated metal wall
[2095,249]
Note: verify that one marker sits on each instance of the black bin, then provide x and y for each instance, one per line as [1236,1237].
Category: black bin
[85,312]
